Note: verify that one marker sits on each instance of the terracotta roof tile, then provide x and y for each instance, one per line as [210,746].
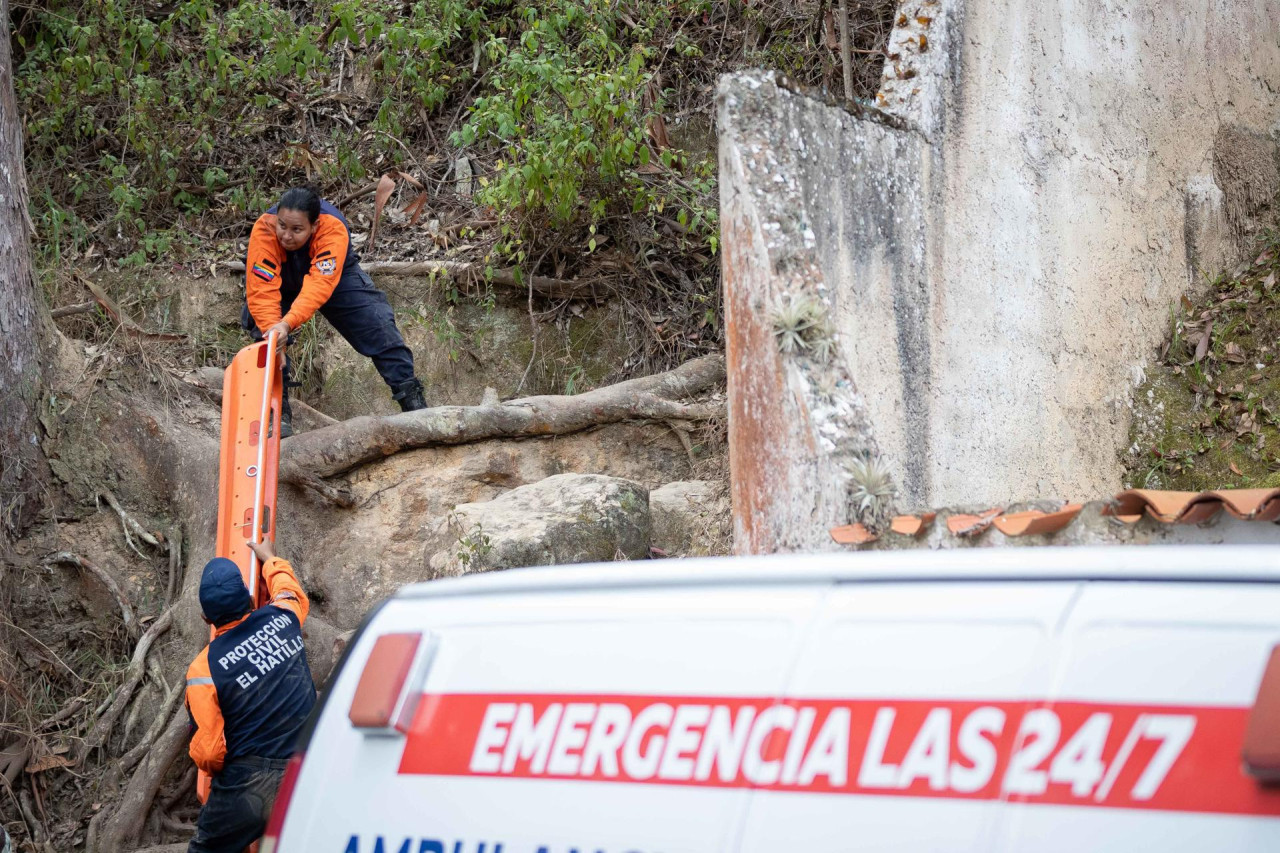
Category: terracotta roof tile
[1034,522]
[912,525]
[1197,507]
[852,534]
[1128,507]
[972,525]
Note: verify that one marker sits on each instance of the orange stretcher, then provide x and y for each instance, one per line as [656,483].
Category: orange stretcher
[248,467]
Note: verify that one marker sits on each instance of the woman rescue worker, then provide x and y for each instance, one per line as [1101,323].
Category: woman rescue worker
[301,261]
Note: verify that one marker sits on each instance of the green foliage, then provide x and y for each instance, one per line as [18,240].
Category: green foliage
[139,121]
[190,117]
[572,95]
[130,117]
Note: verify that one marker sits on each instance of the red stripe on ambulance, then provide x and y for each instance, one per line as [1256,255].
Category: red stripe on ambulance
[1118,756]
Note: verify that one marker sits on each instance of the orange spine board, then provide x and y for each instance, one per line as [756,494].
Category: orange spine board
[242,390]
[243,385]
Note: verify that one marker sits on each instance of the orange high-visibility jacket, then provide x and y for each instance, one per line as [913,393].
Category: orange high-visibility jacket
[209,743]
[265,268]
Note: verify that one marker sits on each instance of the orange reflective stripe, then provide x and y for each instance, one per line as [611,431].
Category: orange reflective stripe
[209,743]
[329,245]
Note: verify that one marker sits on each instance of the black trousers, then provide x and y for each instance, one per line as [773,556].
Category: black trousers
[240,801]
[363,316]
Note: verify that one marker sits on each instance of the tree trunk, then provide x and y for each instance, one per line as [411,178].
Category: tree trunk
[22,315]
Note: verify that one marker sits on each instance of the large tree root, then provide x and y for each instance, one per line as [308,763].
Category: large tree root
[113,832]
[339,448]
[308,457]
[126,611]
[137,668]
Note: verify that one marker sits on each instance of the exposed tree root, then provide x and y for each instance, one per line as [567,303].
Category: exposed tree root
[126,611]
[131,758]
[137,668]
[175,565]
[295,475]
[339,448]
[13,759]
[314,413]
[113,832]
[129,523]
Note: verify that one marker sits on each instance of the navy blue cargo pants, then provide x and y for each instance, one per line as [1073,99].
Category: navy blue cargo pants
[240,801]
[361,314]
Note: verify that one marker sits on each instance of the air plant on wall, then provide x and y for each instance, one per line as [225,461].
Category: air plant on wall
[872,491]
[801,325]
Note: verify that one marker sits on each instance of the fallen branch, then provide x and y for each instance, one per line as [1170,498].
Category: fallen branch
[464,273]
[70,310]
[126,323]
[133,676]
[67,711]
[336,449]
[126,612]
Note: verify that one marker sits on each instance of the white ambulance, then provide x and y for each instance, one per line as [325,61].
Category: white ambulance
[1020,699]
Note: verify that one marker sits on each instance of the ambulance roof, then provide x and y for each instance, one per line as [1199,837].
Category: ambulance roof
[1185,563]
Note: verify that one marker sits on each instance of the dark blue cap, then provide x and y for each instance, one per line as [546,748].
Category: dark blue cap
[223,595]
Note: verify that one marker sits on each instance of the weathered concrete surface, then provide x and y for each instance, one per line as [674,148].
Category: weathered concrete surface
[1000,251]
[793,421]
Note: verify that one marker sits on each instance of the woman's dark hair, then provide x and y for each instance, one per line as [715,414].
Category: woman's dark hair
[303,199]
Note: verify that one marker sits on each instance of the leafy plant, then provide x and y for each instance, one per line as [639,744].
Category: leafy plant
[473,547]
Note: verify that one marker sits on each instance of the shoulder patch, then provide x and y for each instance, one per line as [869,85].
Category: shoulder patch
[327,266]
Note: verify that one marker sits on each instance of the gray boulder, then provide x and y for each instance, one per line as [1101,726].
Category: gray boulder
[691,519]
[568,518]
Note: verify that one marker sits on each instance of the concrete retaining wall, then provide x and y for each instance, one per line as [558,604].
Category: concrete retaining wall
[999,248]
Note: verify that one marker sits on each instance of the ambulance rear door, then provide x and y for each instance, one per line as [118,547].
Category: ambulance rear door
[1140,748]
[905,695]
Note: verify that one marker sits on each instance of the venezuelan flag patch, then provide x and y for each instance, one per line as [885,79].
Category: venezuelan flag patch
[263,273]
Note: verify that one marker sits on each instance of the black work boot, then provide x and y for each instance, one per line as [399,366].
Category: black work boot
[409,395]
[286,418]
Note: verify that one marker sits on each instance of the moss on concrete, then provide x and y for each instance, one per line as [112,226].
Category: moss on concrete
[1214,421]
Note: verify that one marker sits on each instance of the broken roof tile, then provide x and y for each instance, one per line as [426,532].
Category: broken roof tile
[912,525]
[972,525]
[852,534]
[1034,522]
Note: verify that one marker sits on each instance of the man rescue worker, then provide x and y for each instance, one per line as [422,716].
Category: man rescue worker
[248,693]
[301,261]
